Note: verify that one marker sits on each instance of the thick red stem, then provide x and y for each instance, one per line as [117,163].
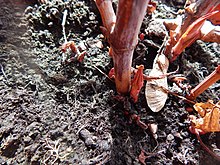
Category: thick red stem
[205,84]
[107,14]
[124,38]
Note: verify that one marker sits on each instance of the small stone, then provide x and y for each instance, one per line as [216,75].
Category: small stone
[155,29]
[55,12]
[104,144]
[87,137]
[162,134]
[27,139]
[170,137]
[54,134]
[155,136]
[90,143]
[178,135]
[92,17]
[153,128]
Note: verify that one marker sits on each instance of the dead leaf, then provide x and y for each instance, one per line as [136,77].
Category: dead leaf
[71,45]
[137,83]
[210,117]
[111,73]
[142,157]
[172,24]
[209,122]
[192,33]
[155,97]
[151,7]
[193,26]
[81,56]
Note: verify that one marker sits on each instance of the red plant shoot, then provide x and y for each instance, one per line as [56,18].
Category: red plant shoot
[122,34]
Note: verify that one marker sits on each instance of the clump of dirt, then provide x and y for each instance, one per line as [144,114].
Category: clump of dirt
[56,113]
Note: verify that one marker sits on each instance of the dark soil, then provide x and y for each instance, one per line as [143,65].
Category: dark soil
[55,113]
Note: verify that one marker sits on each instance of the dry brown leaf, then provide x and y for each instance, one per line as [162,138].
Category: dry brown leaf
[142,157]
[184,33]
[192,33]
[155,97]
[137,83]
[210,114]
[172,24]
[151,7]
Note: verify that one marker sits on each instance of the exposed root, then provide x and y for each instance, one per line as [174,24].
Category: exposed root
[145,155]
[207,149]
[3,72]
[53,153]
[100,159]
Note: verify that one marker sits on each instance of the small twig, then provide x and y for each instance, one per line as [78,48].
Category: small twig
[142,156]
[84,126]
[162,47]
[154,153]
[64,33]
[100,159]
[27,84]
[206,148]
[3,72]
[205,84]
[63,24]
[102,72]
[147,78]
[53,151]
[157,144]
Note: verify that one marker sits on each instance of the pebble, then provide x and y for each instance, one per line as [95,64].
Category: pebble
[50,24]
[155,28]
[104,144]
[170,137]
[27,139]
[162,134]
[55,133]
[91,17]
[87,137]
[153,128]
[55,12]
